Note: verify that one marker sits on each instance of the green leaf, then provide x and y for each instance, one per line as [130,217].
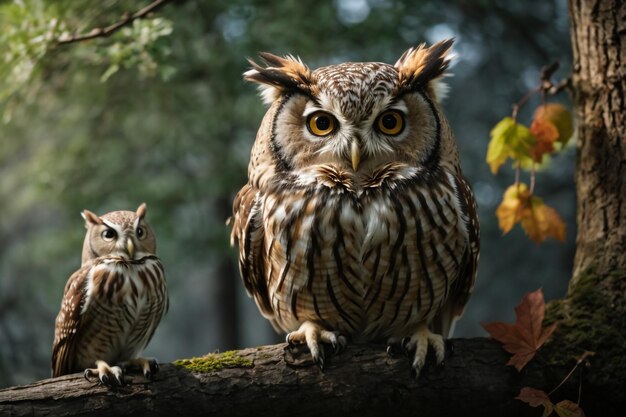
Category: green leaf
[109,72]
[508,140]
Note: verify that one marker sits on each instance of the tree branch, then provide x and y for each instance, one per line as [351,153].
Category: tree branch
[127,18]
[363,380]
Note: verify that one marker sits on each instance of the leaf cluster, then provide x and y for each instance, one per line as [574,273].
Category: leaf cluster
[529,148]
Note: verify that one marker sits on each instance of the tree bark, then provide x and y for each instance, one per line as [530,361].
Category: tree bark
[599,84]
[593,315]
[363,380]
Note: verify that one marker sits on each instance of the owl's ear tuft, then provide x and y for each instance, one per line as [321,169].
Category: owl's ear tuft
[90,218]
[141,211]
[421,66]
[279,75]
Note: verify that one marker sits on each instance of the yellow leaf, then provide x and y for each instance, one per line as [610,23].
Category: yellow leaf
[509,212]
[538,220]
[496,151]
[508,140]
[559,117]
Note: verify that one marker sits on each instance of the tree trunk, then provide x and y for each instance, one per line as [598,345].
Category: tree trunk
[475,381]
[598,31]
[593,316]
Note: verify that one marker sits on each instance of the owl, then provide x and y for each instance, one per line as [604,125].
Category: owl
[112,305]
[356,222]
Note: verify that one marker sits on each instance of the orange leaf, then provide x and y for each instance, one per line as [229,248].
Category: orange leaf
[534,398]
[524,338]
[566,408]
[540,221]
[559,117]
[546,133]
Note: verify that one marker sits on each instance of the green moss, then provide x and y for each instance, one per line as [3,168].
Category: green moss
[215,361]
[592,318]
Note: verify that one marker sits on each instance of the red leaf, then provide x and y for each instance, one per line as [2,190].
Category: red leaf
[524,338]
[534,398]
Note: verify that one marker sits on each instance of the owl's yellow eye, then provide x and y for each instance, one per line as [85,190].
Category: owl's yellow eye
[321,123]
[390,122]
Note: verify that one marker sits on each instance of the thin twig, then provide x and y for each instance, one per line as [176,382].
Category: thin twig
[580,385]
[127,18]
[517,106]
[579,360]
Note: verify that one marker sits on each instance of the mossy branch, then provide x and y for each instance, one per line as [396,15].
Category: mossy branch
[269,380]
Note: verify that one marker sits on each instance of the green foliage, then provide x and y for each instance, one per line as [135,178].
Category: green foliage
[31,45]
[140,47]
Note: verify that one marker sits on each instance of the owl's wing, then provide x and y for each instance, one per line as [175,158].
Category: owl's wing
[248,233]
[462,287]
[69,322]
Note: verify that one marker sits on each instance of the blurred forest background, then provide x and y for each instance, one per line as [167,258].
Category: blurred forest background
[159,113]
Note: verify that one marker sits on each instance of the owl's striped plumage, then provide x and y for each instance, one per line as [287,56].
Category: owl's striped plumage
[113,304]
[356,220]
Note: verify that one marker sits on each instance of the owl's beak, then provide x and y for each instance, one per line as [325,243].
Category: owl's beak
[130,248]
[356,155]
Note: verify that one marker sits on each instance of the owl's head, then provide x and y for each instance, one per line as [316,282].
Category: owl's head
[353,116]
[119,233]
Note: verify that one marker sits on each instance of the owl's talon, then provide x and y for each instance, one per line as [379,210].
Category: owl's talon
[150,367]
[109,376]
[312,335]
[154,366]
[289,339]
[342,342]
[319,359]
[449,348]
[87,374]
[147,366]
[406,345]
[419,343]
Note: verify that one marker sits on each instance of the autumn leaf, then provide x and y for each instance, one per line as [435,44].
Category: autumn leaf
[566,408]
[538,220]
[559,117]
[546,134]
[508,140]
[524,338]
[534,398]
[509,212]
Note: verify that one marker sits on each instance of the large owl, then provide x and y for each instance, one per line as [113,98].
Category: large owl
[112,305]
[356,222]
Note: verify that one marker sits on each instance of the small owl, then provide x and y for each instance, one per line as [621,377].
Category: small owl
[356,222]
[112,305]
